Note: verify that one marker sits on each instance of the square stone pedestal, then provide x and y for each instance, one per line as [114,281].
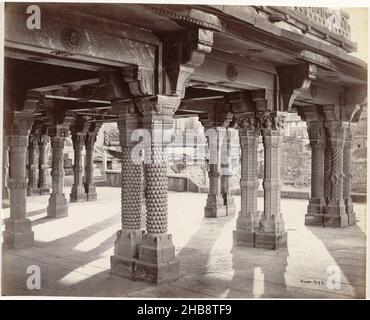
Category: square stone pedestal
[215,212]
[230,209]
[314,219]
[57,207]
[44,191]
[33,192]
[243,238]
[270,240]
[78,194]
[157,262]
[336,217]
[126,252]
[91,193]
[18,233]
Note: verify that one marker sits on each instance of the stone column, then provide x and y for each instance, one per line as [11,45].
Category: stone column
[215,206]
[247,221]
[347,178]
[316,206]
[78,190]
[157,262]
[5,192]
[33,151]
[126,249]
[271,233]
[327,170]
[89,165]
[43,166]
[18,229]
[57,207]
[336,216]
[226,174]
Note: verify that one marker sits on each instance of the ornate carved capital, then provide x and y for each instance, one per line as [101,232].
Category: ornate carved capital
[158,108]
[58,131]
[272,121]
[316,132]
[219,115]
[336,133]
[248,122]
[182,53]
[22,123]
[293,80]
[140,80]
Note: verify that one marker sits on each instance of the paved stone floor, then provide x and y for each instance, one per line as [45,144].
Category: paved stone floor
[73,254]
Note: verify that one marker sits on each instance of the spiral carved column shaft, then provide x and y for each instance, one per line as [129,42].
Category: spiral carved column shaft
[248,216]
[335,211]
[89,166]
[316,206]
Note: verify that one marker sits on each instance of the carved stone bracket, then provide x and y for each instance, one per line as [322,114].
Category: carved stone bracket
[182,53]
[293,80]
[140,80]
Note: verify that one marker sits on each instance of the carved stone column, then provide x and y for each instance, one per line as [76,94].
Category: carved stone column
[347,178]
[18,229]
[33,151]
[126,250]
[335,211]
[89,164]
[57,207]
[226,174]
[43,166]
[5,172]
[247,221]
[327,170]
[157,262]
[316,206]
[271,233]
[78,190]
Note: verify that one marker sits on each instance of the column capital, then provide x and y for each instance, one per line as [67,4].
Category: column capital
[58,131]
[272,123]
[158,109]
[22,123]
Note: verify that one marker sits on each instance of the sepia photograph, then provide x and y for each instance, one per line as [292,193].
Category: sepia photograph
[183,151]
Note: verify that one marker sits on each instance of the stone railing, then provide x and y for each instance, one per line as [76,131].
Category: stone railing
[329,24]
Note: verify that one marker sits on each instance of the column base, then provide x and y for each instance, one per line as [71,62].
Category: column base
[33,192]
[312,219]
[350,213]
[18,233]
[44,191]
[230,209]
[270,240]
[78,194]
[91,193]
[123,267]
[57,207]
[335,216]
[215,212]
[244,238]
[157,262]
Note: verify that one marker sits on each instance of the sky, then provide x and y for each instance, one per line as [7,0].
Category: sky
[359,30]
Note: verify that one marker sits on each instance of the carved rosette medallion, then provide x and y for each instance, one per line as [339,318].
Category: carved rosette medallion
[232,72]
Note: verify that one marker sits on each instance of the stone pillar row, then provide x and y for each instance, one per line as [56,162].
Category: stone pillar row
[145,254]
[330,204]
[260,229]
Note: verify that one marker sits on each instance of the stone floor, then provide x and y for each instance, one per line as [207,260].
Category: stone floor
[73,254]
